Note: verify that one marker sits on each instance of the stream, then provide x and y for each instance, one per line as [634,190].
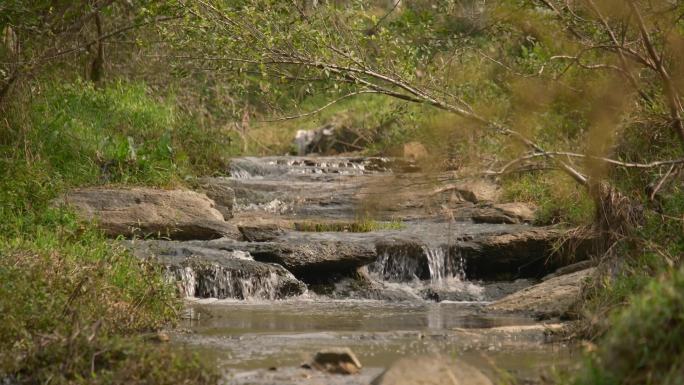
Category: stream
[414,282]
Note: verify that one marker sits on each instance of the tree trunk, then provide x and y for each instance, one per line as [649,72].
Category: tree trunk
[97,65]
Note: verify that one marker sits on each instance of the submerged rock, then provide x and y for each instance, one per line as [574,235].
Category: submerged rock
[431,370]
[145,212]
[336,361]
[556,297]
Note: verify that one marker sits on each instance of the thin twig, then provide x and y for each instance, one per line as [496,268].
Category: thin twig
[321,108]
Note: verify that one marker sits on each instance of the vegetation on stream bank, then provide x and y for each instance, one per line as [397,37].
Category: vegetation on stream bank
[585,123]
[74,304]
[360,226]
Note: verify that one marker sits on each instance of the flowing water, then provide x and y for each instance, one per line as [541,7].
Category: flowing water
[244,325]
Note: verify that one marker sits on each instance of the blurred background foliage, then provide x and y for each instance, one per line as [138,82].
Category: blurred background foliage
[151,92]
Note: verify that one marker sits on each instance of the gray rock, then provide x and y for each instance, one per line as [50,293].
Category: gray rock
[220,190]
[337,361]
[260,233]
[582,265]
[145,212]
[556,297]
[431,370]
[314,256]
[505,213]
[475,191]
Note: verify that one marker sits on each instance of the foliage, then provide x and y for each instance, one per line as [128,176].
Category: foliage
[512,80]
[560,199]
[72,301]
[644,344]
[117,134]
[68,299]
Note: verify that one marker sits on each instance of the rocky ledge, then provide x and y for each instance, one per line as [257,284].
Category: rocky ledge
[145,212]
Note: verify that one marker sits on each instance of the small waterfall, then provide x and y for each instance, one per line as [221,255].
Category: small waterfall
[399,265]
[276,167]
[429,272]
[213,280]
[427,263]
[443,265]
[238,173]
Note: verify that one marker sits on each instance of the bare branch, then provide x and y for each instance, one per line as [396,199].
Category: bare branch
[526,157]
[661,182]
[321,108]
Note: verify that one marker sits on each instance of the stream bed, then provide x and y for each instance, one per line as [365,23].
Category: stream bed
[266,342]
[414,282]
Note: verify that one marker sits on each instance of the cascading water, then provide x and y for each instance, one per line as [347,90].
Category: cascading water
[427,271]
[205,273]
[443,265]
[214,281]
[251,168]
[428,263]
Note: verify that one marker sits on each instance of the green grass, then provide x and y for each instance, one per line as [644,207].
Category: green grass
[560,199]
[117,134]
[360,226]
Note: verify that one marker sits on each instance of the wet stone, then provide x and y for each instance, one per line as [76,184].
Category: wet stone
[336,361]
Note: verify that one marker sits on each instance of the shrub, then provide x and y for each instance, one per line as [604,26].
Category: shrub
[645,344]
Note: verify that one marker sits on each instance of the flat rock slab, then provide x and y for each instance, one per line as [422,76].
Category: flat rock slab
[555,297]
[431,370]
[146,212]
[309,256]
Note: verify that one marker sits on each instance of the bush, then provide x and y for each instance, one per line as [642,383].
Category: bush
[646,342]
[73,305]
[560,199]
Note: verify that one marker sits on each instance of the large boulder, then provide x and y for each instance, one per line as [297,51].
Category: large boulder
[431,370]
[311,257]
[556,297]
[146,212]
